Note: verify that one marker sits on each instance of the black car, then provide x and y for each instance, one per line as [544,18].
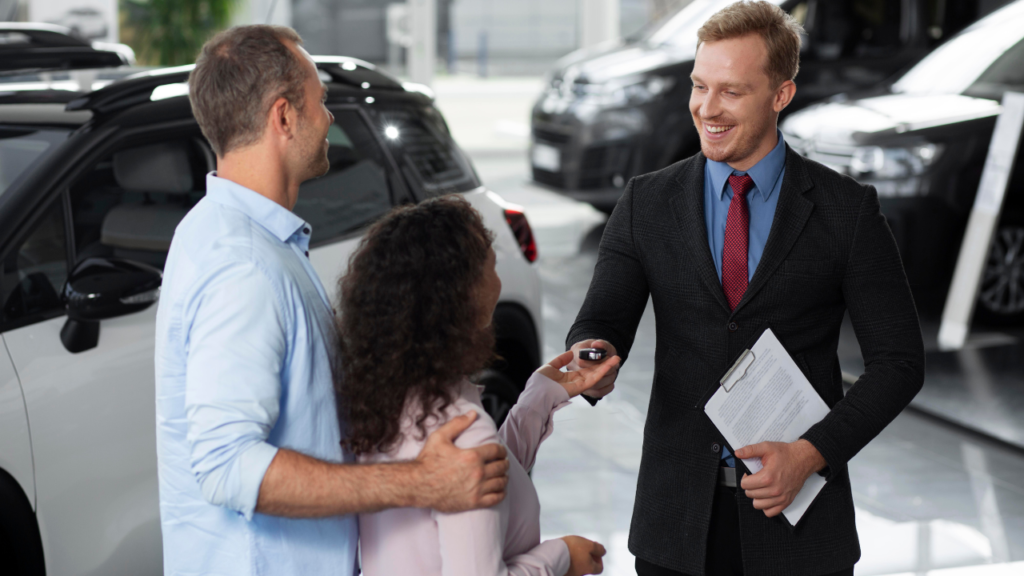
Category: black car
[922,142]
[608,115]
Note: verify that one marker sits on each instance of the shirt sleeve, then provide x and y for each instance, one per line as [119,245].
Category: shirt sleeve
[531,420]
[235,341]
[472,543]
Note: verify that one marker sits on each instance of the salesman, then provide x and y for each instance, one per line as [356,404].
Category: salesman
[744,236]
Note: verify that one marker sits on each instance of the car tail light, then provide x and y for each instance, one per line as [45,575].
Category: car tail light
[521,230]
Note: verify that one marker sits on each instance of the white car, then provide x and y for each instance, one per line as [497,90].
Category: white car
[90,193]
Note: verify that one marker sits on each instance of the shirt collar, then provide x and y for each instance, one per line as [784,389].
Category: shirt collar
[765,173]
[277,219]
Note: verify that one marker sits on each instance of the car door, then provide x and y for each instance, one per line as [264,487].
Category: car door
[92,412]
[361,186]
[31,275]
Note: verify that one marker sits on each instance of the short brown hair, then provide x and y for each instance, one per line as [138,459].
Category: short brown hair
[780,32]
[239,74]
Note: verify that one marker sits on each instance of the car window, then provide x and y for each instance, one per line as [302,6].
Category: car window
[954,66]
[129,203]
[1006,73]
[428,155]
[23,148]
[846,29]
[679,31]
[34,271]
[356,191]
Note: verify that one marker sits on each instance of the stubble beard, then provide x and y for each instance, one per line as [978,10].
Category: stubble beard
[315,153]
[740,148]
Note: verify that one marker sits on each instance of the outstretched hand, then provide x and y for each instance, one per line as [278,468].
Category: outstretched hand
[607,384]
[577,381]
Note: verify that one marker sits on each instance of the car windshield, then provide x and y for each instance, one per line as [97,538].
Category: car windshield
[960,66]
[681,29]
[22,148]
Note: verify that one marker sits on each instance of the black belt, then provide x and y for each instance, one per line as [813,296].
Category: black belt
[727,477]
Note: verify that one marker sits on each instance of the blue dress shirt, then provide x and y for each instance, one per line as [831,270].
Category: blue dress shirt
[244,340]
[767,175]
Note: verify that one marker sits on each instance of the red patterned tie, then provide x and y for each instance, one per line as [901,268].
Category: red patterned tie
[737,232]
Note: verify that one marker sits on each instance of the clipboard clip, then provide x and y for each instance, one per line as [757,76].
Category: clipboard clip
[744,361]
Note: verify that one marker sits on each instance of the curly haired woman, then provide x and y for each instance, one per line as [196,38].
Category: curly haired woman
[416,322]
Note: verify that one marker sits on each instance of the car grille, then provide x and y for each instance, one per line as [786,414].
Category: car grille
[549,178]
[601,164]
[550,136]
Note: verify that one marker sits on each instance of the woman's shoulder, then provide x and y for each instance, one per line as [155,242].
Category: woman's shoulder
[467,399]
[483,430]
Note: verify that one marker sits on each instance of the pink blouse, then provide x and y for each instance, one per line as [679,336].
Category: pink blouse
[497,541]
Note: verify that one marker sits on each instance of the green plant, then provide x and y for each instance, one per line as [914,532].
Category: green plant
[171,32]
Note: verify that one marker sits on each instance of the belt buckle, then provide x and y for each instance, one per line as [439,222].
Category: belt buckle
[727,477]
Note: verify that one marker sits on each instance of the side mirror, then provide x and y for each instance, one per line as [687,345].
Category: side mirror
[101,288]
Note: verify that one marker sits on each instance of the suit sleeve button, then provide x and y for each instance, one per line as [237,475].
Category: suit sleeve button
[716,448]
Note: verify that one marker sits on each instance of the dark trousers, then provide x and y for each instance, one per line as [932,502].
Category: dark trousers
[723,555]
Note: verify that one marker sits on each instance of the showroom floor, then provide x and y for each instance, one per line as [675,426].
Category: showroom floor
[932,499]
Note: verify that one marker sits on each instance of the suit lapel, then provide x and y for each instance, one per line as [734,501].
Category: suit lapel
[791,215]
[688,208]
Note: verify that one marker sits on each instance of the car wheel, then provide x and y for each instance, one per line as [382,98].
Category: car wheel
[1001,295]
[499,394]
[21,549]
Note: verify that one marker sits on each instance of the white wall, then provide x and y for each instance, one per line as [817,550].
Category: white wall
[100,22]
[531,28]
[262,12]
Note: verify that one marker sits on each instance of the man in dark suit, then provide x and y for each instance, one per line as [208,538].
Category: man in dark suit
[745,236]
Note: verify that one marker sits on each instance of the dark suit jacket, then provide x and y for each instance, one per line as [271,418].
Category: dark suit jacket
[829,251]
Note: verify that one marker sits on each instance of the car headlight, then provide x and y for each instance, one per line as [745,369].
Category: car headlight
[878,163]
[615,94]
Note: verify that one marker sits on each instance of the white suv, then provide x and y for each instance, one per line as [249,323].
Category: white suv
[90,193]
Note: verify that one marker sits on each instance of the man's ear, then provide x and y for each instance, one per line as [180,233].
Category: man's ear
[784,95]
[282,117]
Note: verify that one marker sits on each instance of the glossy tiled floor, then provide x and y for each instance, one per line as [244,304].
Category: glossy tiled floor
[931,499]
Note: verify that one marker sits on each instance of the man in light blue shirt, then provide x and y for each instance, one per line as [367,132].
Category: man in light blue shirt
[253,478]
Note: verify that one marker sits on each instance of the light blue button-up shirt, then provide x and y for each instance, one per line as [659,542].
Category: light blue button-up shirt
[761,200]
[244,340]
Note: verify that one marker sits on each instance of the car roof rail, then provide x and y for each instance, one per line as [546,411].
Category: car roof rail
[138,88]
[133,90]
[356,72]
[34,46]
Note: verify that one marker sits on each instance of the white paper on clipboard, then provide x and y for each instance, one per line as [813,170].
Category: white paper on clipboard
[766,398]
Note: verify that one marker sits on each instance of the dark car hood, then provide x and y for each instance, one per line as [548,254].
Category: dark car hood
[609,62]
[843,122]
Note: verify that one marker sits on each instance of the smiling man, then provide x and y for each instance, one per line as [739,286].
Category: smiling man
[742,237]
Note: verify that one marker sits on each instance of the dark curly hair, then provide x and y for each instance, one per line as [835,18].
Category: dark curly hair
[410,322]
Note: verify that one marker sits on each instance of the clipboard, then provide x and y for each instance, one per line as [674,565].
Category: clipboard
[765,397]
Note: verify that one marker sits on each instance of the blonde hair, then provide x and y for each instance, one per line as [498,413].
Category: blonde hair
[780,32]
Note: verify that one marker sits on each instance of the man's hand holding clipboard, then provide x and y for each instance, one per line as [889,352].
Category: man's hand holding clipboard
[764,404]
